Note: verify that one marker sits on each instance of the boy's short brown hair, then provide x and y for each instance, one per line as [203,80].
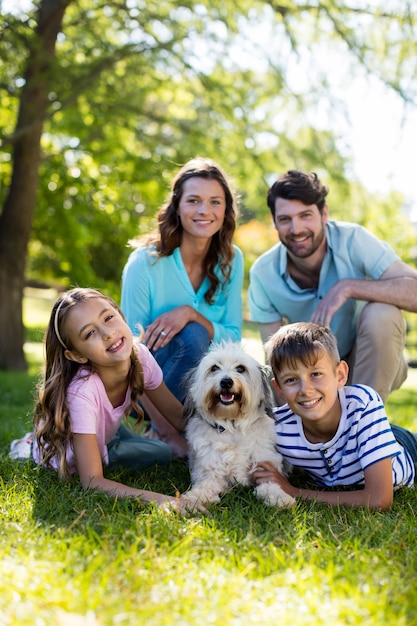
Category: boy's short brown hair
[302,341]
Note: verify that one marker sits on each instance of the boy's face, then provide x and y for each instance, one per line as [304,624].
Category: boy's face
[311,390]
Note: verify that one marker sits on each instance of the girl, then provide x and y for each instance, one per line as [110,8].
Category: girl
[95,375]
[183,283]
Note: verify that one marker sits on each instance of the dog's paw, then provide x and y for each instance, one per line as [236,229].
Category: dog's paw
[201,496]
[273,495]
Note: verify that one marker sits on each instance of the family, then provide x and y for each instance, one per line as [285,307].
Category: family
[327,299]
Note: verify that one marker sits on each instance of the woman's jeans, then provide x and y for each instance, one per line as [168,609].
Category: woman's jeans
[180,355]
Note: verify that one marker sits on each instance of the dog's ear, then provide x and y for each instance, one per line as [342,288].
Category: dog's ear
[189,407]
[266,373]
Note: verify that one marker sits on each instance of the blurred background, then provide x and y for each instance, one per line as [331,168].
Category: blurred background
[101,102]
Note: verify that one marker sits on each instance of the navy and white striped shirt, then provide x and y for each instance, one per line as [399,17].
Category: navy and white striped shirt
[364,437]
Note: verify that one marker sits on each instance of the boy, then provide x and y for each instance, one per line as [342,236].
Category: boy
[339,435]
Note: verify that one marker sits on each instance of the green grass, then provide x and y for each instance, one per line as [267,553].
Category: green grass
[73,557]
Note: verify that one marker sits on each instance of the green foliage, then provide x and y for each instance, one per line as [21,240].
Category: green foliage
[140,87]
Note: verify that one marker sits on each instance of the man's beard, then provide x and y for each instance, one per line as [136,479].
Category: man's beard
[313,245]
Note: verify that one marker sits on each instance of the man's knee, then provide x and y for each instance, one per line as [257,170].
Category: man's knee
[377,358]
[381,320]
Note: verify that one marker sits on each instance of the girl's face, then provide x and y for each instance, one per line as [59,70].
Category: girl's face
[98,333]
[202,207]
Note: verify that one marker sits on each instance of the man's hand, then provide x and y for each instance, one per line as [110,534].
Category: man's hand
[334,299]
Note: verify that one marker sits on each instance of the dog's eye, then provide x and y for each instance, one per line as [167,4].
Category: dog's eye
[214,368]
[241,369]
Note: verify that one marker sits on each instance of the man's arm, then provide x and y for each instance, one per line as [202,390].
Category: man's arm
[397,286]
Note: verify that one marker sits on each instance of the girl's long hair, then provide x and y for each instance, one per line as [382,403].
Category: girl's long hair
[170,230]
[51,420]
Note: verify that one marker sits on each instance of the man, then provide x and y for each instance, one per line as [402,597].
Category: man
[335,274]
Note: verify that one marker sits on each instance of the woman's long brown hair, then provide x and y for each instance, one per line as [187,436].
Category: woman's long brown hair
[170,230]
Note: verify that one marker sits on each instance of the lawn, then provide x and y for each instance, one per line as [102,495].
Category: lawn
[69,557]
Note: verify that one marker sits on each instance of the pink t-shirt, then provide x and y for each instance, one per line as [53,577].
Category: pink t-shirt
[91,411]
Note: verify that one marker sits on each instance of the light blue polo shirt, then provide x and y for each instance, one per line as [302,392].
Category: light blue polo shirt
[152,286]
[352,252]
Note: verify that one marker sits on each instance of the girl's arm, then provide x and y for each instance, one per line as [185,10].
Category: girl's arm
[378,492]
[90,470]
[166,414]
[168,405]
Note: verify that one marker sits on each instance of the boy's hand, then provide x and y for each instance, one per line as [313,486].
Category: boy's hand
[266,473]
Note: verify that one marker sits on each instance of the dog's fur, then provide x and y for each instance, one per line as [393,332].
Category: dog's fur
[230,426]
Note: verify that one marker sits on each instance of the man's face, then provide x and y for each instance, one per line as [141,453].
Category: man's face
[301,227]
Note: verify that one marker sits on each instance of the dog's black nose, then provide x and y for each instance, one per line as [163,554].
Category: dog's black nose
[226,383]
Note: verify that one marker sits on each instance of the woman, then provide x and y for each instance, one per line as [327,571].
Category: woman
[183,284]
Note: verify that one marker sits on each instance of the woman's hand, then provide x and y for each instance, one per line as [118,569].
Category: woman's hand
[166,326]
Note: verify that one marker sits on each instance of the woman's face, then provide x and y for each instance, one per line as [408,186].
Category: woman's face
[202,207]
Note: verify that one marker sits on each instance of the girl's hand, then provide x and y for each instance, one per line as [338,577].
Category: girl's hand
[180,505]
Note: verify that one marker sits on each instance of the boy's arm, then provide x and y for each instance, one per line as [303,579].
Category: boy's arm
[378,492]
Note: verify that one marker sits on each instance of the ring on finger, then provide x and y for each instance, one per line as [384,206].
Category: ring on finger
[163,333]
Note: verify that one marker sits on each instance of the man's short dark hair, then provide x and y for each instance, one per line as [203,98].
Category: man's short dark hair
[295,185]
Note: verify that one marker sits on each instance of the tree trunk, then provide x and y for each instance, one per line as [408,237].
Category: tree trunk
[16,217]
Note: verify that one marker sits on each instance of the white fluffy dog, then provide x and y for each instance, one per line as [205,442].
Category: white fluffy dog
[230,427]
